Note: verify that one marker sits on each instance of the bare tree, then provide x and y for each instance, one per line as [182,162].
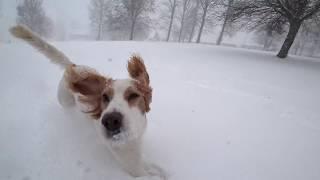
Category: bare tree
[32,15]
[137,10]
[302,37]
[205,5]
[185,8]
[294,11]
[225,21]
[272,28]
[194,18]
[172,4]
[127,19]
[314,27]
[97,15]
[308,38]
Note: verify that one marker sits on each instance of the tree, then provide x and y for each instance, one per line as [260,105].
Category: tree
[116,21]
[137,10]
[314,27]
[185,7]
[121,19]
[294,11]
[97,15]
[194,18]
[272,28]
[205,5]
[32,15]
[225,21]
[308,36]
[171,5]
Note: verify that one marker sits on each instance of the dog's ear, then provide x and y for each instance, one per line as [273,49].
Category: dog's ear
[85,80]
[138,71]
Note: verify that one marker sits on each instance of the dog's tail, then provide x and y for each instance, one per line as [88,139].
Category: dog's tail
[56,56]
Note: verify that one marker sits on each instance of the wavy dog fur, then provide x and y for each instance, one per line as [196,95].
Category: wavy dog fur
[56,56]
[79,79]
[137,70]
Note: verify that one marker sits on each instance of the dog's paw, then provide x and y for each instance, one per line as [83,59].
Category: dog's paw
[156,171]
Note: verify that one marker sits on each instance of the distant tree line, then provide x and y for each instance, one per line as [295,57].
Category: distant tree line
[297,22]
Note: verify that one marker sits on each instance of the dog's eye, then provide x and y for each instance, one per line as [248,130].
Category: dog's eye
[105,98]
[133,96]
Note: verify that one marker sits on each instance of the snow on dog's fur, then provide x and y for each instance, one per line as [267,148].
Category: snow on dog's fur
[119,106]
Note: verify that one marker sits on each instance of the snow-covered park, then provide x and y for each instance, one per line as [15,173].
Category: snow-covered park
[218,113]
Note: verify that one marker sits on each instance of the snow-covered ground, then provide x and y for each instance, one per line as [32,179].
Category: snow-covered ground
[217,113]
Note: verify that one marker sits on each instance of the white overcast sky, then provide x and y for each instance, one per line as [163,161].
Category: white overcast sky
[73,13]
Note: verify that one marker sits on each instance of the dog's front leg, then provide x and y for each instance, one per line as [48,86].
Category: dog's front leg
[65,97]
[130,158]
[155,170]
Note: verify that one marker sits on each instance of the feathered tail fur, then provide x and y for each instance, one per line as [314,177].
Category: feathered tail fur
[56,56]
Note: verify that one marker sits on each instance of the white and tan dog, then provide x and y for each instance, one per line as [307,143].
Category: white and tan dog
[119,106]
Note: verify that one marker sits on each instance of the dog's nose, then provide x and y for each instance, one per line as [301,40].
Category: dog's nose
[112,122]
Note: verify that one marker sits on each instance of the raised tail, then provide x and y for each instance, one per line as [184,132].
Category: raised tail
[56,56]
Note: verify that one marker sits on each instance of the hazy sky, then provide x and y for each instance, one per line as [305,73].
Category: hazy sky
[72,13]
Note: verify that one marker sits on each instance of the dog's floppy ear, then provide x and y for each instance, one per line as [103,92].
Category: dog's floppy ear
[138,71]
[85,80]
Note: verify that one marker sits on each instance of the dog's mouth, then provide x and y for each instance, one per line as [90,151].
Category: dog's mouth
[113,133]
[118,138]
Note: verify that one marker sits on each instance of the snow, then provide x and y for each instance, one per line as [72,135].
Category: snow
[217,113]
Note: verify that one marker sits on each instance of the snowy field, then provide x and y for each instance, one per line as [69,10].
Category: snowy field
[217,114]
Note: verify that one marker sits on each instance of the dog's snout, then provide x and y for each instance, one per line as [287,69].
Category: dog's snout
[112,121]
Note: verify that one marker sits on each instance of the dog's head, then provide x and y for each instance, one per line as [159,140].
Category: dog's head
[119,105]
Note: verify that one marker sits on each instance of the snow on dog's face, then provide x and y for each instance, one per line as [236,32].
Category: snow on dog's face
[118,105]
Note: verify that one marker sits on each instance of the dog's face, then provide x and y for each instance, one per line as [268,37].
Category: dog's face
[119,105]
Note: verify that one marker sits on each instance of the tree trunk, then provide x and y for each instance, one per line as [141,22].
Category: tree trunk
[194,21]
[171,20]
[185,3]
[293,30]
[265,44]
[222,31]
[132,30]
[314,47]
[302,48]
[296,48]
[268,39]
[224,23]
[202,24]
[99,32]
[100,22]
[181,25]
[305,34]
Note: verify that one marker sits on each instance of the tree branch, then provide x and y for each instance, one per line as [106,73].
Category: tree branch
[313,11]
[285,9]
[275,8]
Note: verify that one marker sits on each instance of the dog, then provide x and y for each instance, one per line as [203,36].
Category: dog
[118,106]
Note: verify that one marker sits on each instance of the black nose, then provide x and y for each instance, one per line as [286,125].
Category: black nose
[112,122]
